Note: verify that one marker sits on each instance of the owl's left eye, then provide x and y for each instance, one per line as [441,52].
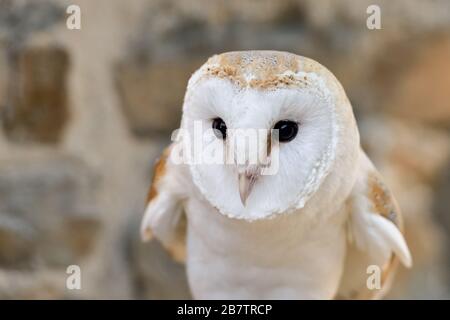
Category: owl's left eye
[220,128]
[287,130]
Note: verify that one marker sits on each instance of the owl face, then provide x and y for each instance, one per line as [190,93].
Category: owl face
[271,123]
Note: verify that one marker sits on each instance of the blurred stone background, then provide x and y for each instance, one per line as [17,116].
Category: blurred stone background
[84,113]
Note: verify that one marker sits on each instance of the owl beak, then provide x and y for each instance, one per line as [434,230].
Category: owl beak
[246,182]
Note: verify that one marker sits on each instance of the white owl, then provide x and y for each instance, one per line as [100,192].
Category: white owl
[313,229]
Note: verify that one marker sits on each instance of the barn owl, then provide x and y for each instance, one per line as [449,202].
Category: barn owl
[315,228]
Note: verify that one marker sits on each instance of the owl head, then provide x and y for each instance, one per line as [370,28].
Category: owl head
[278,130]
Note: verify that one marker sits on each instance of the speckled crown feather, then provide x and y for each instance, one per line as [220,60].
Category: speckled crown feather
[263,69]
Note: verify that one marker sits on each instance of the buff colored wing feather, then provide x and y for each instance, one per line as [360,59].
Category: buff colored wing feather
[374,237]
[164,218]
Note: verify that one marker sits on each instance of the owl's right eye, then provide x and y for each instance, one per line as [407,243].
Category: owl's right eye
[220,128]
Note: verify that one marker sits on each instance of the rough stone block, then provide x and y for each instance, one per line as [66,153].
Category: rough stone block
[36,108]
[414,80]
[152,94]
[48,210]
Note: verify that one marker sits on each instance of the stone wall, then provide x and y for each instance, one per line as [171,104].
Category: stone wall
[84,113]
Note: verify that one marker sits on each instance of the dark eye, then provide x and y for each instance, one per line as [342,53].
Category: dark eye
[220,128]
[287,130]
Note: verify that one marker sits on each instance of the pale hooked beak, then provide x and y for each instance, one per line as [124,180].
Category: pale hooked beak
[250,171]
[247,180]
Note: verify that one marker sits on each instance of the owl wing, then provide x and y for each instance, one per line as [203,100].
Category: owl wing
[375,239]
[164,217]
